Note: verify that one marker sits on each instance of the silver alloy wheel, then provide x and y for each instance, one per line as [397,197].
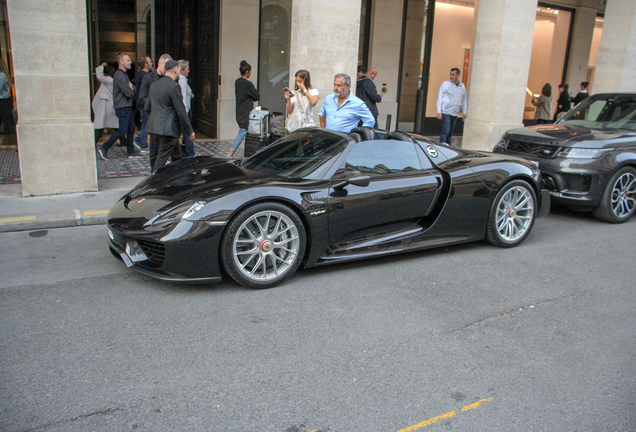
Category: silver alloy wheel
[265,246]
[515,211]
[624,195]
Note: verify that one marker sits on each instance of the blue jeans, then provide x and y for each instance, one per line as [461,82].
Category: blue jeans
[448,126]
[142,138]
[239,139]
[126,129]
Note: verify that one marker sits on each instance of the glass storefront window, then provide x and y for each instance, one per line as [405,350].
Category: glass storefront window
[273,63]
[549,48]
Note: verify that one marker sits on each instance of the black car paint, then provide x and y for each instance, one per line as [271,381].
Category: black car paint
[621,146]
[460,199]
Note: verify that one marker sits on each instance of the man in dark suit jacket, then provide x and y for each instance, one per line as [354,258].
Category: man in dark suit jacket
[167,115]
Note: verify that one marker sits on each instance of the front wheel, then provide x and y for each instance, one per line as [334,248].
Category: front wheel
[512,214]
[263,245]
[619,197]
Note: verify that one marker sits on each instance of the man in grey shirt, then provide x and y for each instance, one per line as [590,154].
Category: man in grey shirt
[123,92]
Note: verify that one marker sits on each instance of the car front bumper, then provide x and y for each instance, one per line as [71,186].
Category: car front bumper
[184,260]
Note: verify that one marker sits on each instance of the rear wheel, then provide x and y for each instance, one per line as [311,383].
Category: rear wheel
[263,245]
[512,214]
[618,201]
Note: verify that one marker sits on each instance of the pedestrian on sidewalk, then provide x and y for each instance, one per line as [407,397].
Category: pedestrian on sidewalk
[543,113]
[123,93]
[367,92]
[245,94]
[105,117]
[148,79]
[6,100]
[342,111]
[451,99]
[186,92]
[167,116]
[301,102]
[141,140]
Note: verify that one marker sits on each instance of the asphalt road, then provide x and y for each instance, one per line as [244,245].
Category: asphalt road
[468,338]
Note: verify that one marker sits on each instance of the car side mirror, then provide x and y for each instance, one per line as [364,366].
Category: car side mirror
[355,178]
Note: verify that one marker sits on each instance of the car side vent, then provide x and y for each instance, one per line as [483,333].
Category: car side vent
[540,150]
[577,182]
[156,253]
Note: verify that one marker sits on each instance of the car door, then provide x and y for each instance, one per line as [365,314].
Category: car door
[401,191]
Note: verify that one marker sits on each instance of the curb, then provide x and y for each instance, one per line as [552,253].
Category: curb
[61,219]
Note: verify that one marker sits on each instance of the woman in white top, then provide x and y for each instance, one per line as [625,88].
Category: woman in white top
[303,115]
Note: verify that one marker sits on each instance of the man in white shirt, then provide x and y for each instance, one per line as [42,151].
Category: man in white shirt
[186,91]
[451,99]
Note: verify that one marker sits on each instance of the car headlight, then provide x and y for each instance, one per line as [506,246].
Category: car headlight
[582,153]
[177,214]
[192,210]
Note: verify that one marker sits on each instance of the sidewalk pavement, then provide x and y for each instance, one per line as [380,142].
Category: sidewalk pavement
[18,213]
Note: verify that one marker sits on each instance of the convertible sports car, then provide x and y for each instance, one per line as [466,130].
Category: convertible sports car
[317,197]
[587,159]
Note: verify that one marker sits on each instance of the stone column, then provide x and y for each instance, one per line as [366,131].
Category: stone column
[500,67]
[616,65]
[324,40]
[386,36]
[50,61]
[239,41]
[580,47]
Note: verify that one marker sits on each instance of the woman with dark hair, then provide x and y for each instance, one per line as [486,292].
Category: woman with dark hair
[246,94]
[105,117]
[6,100]
[301,102]
[543,114]
[563,103]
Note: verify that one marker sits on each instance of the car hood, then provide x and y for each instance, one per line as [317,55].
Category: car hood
[567,135]
[193,179]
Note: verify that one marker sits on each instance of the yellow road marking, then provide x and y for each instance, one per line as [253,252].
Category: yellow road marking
[95,212]
[17,219]
[476,404]
[443,416]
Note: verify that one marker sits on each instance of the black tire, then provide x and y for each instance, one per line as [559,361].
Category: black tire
[618,201]
[263,245]
[512,214]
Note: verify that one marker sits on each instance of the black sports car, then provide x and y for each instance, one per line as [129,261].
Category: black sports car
[318,197]
[587,159]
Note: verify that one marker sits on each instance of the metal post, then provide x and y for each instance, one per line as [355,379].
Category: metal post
[388,122]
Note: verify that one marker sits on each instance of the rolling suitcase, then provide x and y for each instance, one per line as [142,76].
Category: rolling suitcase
[254,144]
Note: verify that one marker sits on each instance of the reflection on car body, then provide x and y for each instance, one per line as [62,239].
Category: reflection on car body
[588,158]
[317,197]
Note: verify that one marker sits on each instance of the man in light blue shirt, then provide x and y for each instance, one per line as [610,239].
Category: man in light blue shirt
[342,111]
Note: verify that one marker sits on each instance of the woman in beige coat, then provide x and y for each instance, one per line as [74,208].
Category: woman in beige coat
[543,114]
[105,117]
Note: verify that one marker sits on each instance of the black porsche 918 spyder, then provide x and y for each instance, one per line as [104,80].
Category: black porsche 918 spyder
[317,197]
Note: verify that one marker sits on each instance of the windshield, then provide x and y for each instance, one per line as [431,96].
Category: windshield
[302,154]
[604,111]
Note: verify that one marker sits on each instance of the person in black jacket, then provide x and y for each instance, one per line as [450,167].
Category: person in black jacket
[141,140]
[563,103]
[123,93]
[167,115]
[246,94]
[151,77]
[582,94]
[365,90]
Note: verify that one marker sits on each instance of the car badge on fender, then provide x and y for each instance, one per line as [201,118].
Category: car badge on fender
[432,151]
[317,212]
